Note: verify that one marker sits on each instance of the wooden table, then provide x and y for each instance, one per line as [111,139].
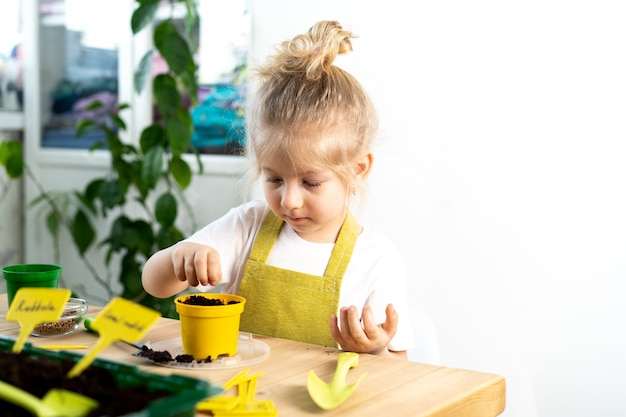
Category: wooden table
[392,387]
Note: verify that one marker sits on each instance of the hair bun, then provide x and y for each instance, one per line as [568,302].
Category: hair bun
[314,52]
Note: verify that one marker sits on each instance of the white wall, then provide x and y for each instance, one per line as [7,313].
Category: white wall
[502,178]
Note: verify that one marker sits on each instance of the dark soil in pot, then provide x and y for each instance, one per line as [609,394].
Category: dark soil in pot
[199,300]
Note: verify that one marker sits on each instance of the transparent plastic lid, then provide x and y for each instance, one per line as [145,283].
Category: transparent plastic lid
[249,351]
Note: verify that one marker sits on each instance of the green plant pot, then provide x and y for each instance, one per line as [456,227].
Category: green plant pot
[30,275]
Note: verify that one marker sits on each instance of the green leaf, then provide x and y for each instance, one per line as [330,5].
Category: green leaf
[167,236]
[82,232]
[94,105]
[130,277]
[11,158]
[181,172]
[96,145]
[84,127]
[179,131]
[126,173]
[139,181]
[166,209]
[166,95]
[107,257]
[92,189]
[119,122]
[152,166]
[132,236]
[143,15]
[116,233]
[188,79]
[143,71]
[144,237]
[5,151]
[111,194]
[173,47]
[15,167]
[52,223]
[86,202]
[115,145]
[151,136]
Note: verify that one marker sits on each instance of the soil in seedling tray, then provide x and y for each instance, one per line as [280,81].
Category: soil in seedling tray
[39,375]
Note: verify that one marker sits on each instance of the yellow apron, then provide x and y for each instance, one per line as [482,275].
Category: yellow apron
[290,304]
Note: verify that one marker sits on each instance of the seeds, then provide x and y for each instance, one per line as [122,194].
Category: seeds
[69,321]
[58,327]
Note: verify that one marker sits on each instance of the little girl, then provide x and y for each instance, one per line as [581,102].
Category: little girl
[308,270]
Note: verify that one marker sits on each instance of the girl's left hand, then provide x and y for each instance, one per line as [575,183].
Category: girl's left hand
[362,334]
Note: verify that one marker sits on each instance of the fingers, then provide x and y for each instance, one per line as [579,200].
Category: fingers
[214,268]
[335,331]
[363,334]
[196,264]
[351,329]
[369,324]
[390,326]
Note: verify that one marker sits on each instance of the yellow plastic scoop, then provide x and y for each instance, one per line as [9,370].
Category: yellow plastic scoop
[329,396]
[33,306]
[121,319]
[55,403]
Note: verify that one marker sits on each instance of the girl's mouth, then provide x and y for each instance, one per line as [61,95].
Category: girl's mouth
[296,219]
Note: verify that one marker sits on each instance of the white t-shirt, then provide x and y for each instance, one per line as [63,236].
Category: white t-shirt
[376,274]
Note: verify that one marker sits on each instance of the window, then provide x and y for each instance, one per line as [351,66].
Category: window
[79,65]
[11,88]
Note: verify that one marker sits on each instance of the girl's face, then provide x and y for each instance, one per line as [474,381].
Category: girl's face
[312,203]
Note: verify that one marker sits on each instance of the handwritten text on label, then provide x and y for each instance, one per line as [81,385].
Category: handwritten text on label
[36,305]
[123,322]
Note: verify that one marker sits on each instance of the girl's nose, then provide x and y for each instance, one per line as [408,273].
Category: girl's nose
[291,197]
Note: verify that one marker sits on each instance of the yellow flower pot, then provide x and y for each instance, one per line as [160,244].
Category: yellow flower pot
[210,330]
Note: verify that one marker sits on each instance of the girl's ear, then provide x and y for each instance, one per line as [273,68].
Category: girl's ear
[364,166]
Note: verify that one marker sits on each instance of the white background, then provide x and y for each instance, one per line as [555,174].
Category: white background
[501,176]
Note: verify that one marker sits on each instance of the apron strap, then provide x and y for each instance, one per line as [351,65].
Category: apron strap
[264,241]
[342,252]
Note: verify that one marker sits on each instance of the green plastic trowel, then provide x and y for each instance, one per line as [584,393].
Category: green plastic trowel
[329,396]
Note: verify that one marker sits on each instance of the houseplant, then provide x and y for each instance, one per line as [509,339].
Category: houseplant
[146,177]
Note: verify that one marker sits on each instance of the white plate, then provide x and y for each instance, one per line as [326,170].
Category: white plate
[249,351]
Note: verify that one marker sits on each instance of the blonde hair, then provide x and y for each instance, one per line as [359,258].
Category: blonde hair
[307,112]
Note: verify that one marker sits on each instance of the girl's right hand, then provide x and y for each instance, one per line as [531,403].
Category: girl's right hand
[197,264]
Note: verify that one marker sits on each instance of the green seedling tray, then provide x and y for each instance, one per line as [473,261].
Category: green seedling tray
[186,392]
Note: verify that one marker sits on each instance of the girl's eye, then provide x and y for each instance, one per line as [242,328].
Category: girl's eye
[312,183]
[307,183]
